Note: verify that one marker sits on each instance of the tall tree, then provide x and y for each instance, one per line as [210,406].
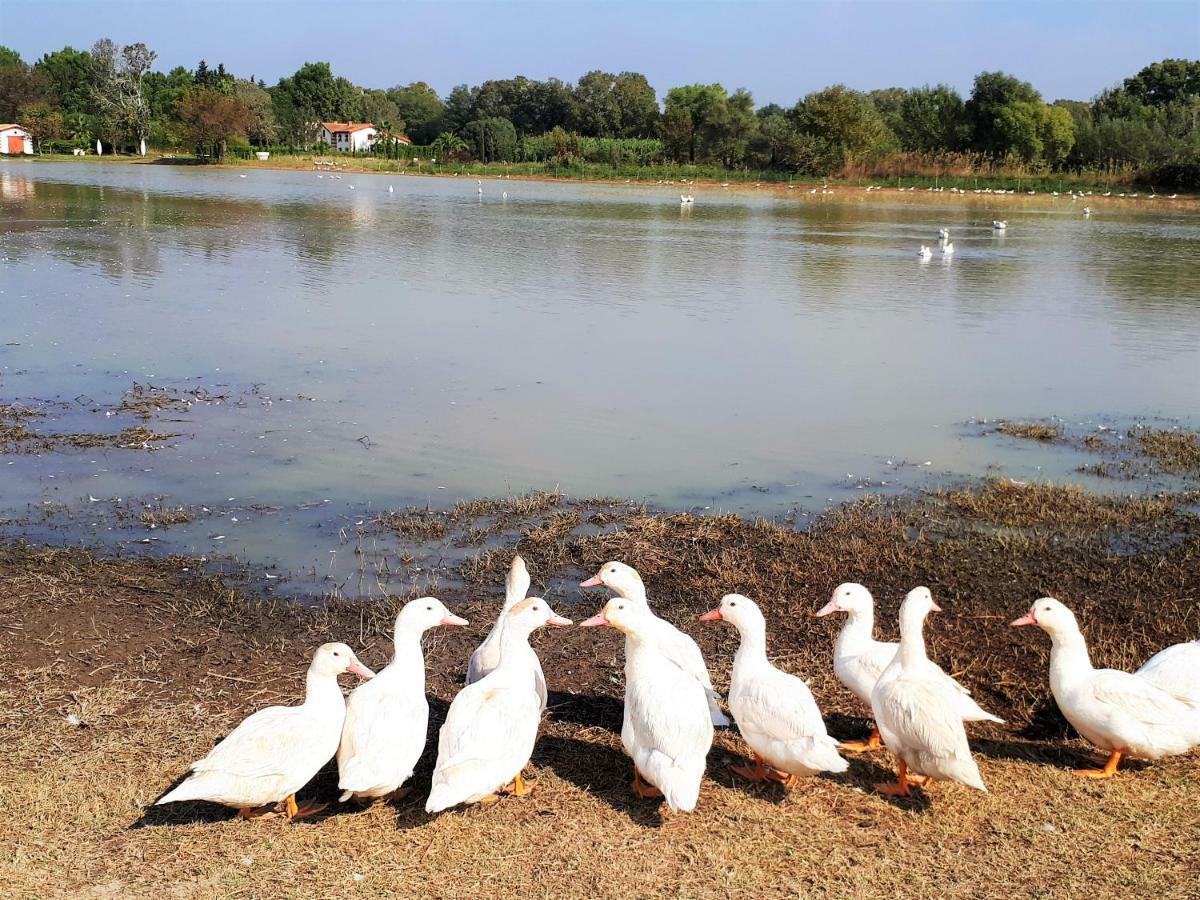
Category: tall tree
[932,118]
[596,112]
[846,119]
[20,85]
[420,109]
[1000,113]
[70,73]
[211,118]
[260,125]
[638,105]
[118,72]
[460,108]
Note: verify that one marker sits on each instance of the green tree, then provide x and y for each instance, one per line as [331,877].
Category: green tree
[376,107]
[1057,134]
[932,119]
[69,72]
[1165,82]
[20,85]
[637,105]
[420,109]
[597,113]
[846,120]
[889,101]
[492,139]
[310,96]
[459,108]
[1001,114]
[448,145]
[701,123]
[260,127]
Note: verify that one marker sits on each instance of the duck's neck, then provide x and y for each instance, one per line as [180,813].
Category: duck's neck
[1068,657]
[322,690]
[514,643]
[409,659]
[856,634]
[912,640]
[752,650]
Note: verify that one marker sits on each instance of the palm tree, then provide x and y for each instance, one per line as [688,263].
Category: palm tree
[447,145]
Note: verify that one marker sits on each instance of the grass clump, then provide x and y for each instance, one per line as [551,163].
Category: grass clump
[415,524]
[1054,506]
[1177,452]
[162,516]
[1031,431]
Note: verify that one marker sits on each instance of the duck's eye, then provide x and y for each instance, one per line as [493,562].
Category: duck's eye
[429,608]
[620,606]
[335,653]
[733,603]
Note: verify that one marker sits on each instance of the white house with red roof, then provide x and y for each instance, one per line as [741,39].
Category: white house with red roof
[353,135]
[15,140]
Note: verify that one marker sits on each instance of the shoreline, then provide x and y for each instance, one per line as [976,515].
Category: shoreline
[132,668]
[804,189]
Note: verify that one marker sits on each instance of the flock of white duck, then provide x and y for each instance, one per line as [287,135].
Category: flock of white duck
[671,706]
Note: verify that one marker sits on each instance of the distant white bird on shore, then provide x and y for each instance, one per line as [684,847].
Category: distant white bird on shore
[925,252]
[999,225]
[948,249]
[241,176]
[943,234]
[391,189]
[686,199]
[1087,210]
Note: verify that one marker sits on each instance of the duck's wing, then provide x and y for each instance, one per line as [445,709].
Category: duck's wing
[922,712]
[780,705]
[1176,670]
[684,652]
[483,720]
[487,655]
[262,745]
[1133,697]
[875,658]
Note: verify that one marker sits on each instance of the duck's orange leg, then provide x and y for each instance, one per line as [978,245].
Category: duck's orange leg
[871,743]
[257,812]
[642,788]
[1109,770]
[900,788]
[292,811]
[787,779]
[758,773]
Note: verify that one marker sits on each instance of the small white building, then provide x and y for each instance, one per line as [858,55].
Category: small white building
[353,135]
[15,140]
[348,135]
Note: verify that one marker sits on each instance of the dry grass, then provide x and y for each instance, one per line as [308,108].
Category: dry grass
[1033,431]
[157,667]
[162,516]
[1177,452]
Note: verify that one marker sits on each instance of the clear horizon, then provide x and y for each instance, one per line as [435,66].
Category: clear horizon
[1067,50]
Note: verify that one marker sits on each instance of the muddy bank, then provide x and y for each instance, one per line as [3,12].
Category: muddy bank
[115,674]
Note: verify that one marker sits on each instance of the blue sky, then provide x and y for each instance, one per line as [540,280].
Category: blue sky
[778,50]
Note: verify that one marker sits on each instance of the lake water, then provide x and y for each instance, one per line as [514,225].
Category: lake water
[381,348]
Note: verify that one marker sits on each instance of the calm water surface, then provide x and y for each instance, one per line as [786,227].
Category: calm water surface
[431,343]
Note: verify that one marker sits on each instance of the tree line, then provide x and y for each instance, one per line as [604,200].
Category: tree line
[1149,124]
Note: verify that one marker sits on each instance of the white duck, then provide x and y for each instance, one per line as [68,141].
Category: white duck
[859,659]
[387,718]
[914,707]
[925,252]
[626,583]
[1123,713]
[1176,670]
[668,730]
[943,234]
[948,248]
[774,710]
[998,225]
[487,656]
[276,751]
[492,724]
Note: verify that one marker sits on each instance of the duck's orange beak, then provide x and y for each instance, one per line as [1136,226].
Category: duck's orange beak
[1028,619]
[360,670]
[454,620]
[597,619]
[558,621]
[830,607]
[594,581]
[713,615]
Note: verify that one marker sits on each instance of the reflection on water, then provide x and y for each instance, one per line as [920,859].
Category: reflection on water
[748,352]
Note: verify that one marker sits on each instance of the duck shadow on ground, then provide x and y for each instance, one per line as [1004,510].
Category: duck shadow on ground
[587,710]
[601,771]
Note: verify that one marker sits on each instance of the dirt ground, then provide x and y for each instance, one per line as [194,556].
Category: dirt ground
[116,674]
